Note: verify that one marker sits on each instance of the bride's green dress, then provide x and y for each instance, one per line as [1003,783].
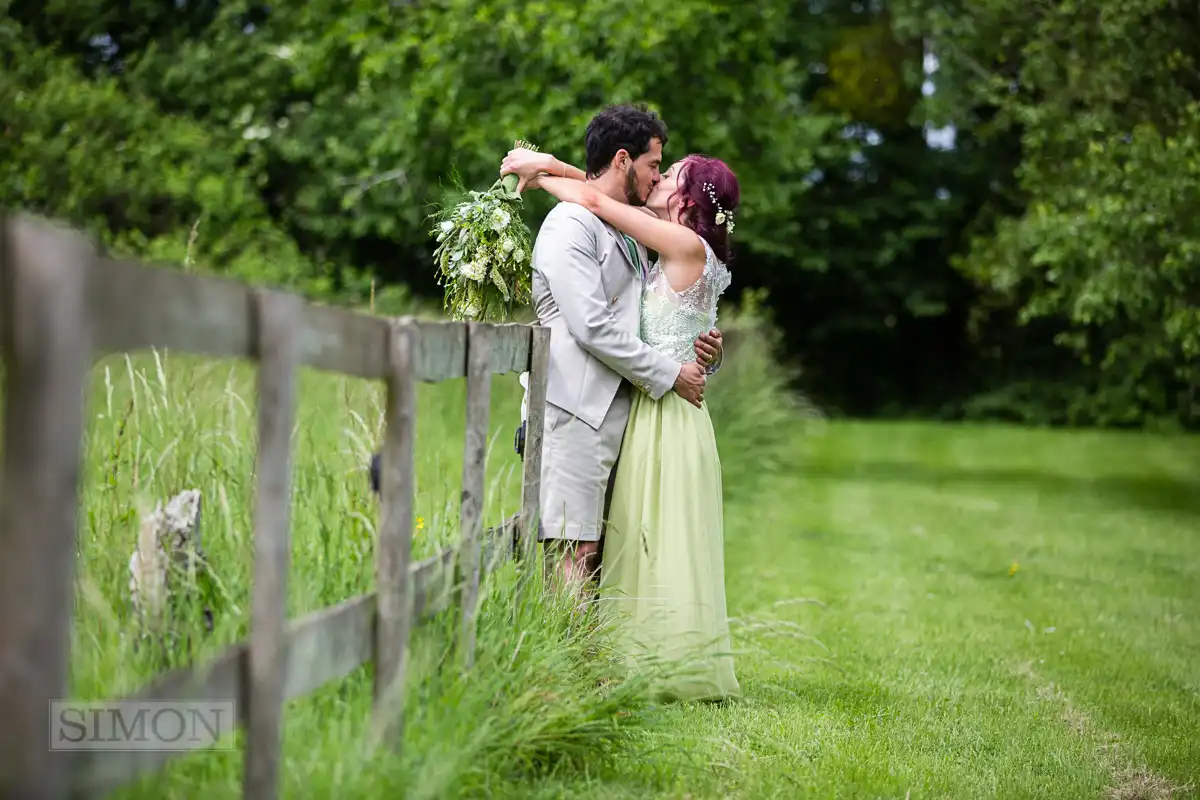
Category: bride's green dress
[663,567]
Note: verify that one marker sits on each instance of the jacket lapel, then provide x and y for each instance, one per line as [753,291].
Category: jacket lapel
[623,246]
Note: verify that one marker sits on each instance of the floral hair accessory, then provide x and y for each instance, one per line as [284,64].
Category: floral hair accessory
[723,217]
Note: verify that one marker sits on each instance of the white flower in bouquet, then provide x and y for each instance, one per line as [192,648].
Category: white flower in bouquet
[482,254]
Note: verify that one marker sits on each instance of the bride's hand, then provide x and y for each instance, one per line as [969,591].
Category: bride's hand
[527,164]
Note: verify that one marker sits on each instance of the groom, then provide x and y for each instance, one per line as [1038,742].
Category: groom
[587,289]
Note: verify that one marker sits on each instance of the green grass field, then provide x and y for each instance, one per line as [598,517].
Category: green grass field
[1007,613]
[922,610]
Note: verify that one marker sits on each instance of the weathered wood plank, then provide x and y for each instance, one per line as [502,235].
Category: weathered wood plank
[138,307]
[394,548]
[433,584]
[213,316]
[434,580]
[278,318]
[441,351]
[510,348]
[479,398]
[329,644]
[531,481]
[346,342]
[46,356]
[322,647]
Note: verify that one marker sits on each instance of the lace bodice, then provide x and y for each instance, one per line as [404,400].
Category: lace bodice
[671,321]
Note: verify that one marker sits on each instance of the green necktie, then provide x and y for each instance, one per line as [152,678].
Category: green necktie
[633,255]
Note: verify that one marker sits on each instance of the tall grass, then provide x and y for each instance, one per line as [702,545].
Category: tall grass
[752,400]
[541,698]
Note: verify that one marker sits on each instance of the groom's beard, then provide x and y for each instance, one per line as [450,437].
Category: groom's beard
[631,189]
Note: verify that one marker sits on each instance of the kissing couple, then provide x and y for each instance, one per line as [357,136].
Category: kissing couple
[631,480]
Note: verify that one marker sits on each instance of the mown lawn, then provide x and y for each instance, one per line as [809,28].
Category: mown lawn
[1006,612]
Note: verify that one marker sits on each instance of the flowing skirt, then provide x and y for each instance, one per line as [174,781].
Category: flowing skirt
[663,567]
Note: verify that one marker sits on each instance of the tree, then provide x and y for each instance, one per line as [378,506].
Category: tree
[1103,98]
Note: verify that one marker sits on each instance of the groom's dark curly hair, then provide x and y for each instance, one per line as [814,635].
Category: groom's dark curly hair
[621,127]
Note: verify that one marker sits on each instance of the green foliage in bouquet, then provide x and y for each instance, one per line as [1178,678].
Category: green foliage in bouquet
[484,253]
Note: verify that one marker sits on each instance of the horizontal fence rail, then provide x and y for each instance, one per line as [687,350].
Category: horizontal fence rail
[62,306]
[136,307]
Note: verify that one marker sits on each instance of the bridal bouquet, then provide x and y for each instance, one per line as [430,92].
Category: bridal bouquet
[484,253]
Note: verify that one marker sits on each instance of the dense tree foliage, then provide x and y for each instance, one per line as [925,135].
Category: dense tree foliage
[1041,268]
[1096,235]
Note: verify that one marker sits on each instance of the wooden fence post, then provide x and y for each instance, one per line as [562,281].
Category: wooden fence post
[394,547]
[479,398]
[46,333]
[535,415]
[277,317]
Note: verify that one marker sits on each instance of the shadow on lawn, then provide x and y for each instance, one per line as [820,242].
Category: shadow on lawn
[1145,491]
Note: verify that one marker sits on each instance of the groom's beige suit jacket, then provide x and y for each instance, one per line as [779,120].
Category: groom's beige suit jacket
[587,290]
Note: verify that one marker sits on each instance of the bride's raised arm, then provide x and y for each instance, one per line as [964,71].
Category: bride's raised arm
[669,239]
[529,163]
[567,183]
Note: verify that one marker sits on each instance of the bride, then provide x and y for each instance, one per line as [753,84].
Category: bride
[663,566]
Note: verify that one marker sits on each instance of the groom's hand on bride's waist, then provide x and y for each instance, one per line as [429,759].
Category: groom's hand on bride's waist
[690,383]
[709,350]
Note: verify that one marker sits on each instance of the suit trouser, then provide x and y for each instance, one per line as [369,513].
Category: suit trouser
[578,462]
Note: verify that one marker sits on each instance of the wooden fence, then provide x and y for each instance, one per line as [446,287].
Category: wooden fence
[61,306]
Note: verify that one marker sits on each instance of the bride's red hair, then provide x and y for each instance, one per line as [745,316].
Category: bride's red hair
[701,180]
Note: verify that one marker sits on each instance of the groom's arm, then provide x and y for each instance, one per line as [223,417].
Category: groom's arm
[567,256]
